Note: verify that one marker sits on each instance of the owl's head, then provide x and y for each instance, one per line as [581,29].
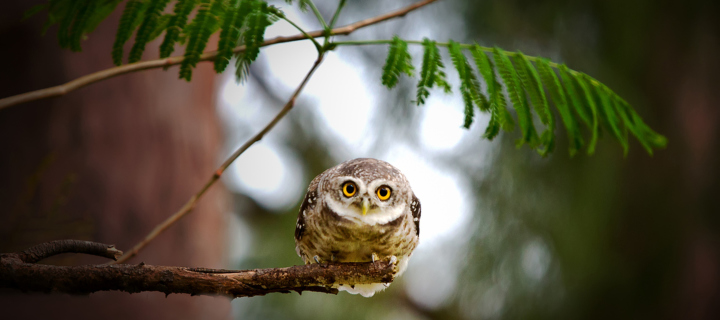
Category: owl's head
[368,190]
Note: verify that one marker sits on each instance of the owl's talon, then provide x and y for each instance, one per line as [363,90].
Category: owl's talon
[317,259]
[393,260]
[374,257]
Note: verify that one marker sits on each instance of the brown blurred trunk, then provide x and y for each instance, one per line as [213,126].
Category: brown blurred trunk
[106,163]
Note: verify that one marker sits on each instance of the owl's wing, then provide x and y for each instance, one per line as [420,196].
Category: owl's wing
[416,211]
[308,203]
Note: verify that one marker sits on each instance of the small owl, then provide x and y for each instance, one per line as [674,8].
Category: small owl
[359,211]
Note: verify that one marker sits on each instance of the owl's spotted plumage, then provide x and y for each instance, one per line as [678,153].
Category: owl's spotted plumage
[357,209]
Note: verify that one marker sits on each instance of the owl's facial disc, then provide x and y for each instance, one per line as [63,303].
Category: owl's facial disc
[378,201]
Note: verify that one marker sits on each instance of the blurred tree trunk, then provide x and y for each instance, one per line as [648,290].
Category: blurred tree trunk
[106,163]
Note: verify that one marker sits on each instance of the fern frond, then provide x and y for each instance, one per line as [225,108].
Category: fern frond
[554,87]
[517,96]
[231,33]
[177,23]
[594,114]
[398,61]
[161,26]
[130,19]
[609,115]
[570,84]
[150,21]
[79,24]
[499,115]
[302,4]
[198,31]
[530,80]
[431,73]
[469,86]
[66,21]
[256,22]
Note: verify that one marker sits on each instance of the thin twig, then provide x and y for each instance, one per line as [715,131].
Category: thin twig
[190,204]
[49,249]
[208,56]
[30,277]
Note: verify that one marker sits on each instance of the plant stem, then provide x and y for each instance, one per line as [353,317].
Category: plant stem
[317,14]
[337,13]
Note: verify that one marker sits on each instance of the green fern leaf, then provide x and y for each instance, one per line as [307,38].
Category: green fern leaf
[431,73]
[302,4]
[499,115]
[177,22]
[517,96]
[161,26]
[590,101]
[469,86]
[570,85]
[256,22]
[552,83]
[150,21]
[230,34]
[130,19]
[66,22]
[199,30]
[398,61]
[609,114]
[81,21]
[530,80]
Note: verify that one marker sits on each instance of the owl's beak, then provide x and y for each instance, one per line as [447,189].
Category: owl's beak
[365,206]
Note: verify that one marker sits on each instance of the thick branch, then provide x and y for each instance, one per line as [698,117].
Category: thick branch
[49,249]
[28,277]
[208,56]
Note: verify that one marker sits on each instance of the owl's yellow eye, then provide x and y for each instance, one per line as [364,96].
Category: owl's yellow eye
[383,193]
[349,189]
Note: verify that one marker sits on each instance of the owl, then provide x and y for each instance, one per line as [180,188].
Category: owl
[361,210]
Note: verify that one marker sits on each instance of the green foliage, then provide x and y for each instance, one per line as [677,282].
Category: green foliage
[515,90]
[256,22]
[469,86]
[499,115]
[398,61]
[198,32]
[230,35]
[129,21]
[577,97]
[175,25]
[528,80]
[302,4]
[75,18]
[147,28]
[431,73]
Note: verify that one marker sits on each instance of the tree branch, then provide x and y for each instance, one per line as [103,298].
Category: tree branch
[208,56]
[16,273]
[49,249]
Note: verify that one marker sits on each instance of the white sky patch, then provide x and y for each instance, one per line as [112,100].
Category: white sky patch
[441,126]
[268,174]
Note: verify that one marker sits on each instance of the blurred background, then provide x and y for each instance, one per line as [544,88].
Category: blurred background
[506,234]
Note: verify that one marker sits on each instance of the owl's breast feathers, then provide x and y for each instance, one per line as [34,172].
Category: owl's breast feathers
[322,232]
